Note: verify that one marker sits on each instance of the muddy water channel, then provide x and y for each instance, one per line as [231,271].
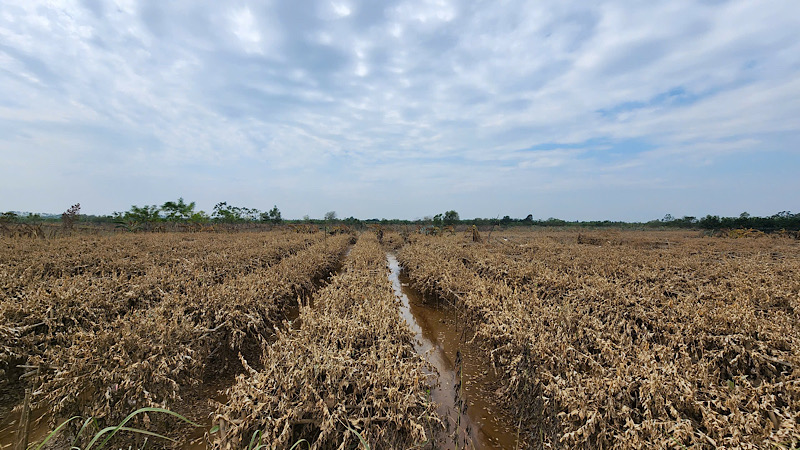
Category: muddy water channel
[441,342]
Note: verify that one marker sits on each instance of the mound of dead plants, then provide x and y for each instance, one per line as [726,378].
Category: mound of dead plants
[348,374]
[125,331]
[626,346]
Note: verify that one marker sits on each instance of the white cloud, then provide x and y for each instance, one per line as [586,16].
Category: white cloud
[341,9]
[244,27]
[447,93]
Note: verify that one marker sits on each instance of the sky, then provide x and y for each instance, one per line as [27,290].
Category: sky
[619,110]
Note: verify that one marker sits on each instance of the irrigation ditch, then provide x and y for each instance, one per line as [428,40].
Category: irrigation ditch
[465,382]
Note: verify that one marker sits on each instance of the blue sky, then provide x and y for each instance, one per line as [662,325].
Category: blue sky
[621,110]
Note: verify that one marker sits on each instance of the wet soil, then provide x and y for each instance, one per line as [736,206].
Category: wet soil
[464,377]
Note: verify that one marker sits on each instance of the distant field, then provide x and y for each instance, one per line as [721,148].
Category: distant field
[598,339]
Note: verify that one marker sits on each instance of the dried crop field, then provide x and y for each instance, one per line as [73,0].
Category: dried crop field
[597,339]
[121,322]
[350,367]
[631,339]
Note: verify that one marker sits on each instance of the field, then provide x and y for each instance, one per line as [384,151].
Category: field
[591,339]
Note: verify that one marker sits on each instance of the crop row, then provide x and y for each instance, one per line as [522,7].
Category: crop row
[211,258]
[348,373]
[632,346]
[108,345]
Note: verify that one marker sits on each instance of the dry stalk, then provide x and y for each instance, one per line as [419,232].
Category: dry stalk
[621,341]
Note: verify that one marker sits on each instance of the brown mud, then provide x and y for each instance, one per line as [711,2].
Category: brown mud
[464,378]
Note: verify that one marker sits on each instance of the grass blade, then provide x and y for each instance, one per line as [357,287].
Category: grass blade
[56,431]
[114,430]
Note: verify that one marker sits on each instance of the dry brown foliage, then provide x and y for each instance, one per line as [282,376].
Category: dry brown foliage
[349,368]
[633,340]
[131,321]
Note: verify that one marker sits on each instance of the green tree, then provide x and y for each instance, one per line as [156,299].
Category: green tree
[145,214]
[180,210]
[9,217]
[330,216]
[199,217]
[352,222]
[710,222]
[437,220]
[451,217]
[223,212]
[138,217]
[272,216]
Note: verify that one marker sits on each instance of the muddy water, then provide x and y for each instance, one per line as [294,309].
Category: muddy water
[440,340]
[37,430]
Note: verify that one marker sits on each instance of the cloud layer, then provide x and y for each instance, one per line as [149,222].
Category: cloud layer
[615,109]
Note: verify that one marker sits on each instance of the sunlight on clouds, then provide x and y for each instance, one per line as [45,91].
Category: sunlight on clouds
[428,11]
[341,9]
[244,27]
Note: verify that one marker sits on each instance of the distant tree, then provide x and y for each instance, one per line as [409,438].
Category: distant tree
[273,215]
[144,214]
[223,212]
[554,222]
[668,218]
[686,221]
[199,217]
[743,220]
[528,219]
[138,217]
[437,220]
[70,216]
[710,222]
[306,218]
[9,217]
[451,217]
[506,220]
[782,215]
[353,222]
[330,216]
[180,210]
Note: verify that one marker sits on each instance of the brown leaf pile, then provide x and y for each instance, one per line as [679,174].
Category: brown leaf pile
[630,340]
[349,368]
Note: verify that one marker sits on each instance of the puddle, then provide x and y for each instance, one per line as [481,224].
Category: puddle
[439,340]
[37,430]
[196,438]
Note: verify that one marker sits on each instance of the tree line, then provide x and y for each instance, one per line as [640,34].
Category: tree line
[182,212]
